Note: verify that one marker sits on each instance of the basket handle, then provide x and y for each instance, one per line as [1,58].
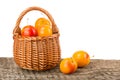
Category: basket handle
[17,29]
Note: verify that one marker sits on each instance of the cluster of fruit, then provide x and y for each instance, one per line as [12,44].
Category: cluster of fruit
[70,65]
[42,28]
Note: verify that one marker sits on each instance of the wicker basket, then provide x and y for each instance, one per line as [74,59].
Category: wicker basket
[36,53]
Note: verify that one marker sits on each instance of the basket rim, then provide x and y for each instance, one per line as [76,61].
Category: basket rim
[37,37]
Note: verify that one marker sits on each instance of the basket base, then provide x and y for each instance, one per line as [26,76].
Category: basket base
[36,68]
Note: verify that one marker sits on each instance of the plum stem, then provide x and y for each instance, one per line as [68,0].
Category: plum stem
[27,21]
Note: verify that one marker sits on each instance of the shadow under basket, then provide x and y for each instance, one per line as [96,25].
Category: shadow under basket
[36,53]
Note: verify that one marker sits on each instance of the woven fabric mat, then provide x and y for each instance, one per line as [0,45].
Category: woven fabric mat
[96,70]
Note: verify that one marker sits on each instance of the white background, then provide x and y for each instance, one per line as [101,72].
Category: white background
[90,25]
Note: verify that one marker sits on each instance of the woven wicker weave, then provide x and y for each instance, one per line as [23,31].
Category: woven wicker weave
[36,53]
